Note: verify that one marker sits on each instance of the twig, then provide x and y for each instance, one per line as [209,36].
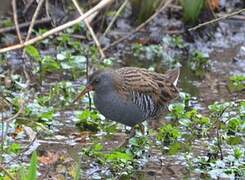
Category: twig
[16,21]
[173,6]
[219,143]
[2,134]
[24,25]
[139,27]
[28,6]
[21,109]
[7,173]
[90,29]
[99,6]
[47,8]
[20,155]
[77,36]
[40,3]
[115,17]
[216,20]
[89,97]
[235,17]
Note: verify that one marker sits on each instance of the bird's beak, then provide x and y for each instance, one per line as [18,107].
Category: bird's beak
[86,90]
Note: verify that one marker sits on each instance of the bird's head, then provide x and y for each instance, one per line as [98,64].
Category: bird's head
[100,81]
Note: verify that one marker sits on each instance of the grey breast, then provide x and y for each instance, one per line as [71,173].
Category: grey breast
[115,108]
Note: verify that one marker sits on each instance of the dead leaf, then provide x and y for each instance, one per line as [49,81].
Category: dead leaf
[213,4]
[49,158]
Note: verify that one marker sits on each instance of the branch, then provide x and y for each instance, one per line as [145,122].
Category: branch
[139,27]
[99,6]
[27,6]
[40,3]
[24,25]
[90,29]
[216,20]
[115,17]
[16,21]
[21,109]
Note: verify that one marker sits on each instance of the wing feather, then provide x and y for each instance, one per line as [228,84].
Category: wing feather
[159,87]
[138,80]
[149,90]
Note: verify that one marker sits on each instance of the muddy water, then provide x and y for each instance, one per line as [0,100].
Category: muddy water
[226,56]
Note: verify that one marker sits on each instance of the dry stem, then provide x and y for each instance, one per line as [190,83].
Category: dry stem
[99,6]
[90,29]
[139,27]
[216,20]
[40,3]
[115,17]
[24,25]
[16,21]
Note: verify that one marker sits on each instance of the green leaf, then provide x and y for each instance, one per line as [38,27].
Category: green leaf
[98,147]
[77,173]
[174,148]
[32,171]
[236,83]
[14,148]
[168,133]
[119,156]
[22,173]
[234,124]
[237,153]
[32,52]
[234,140]
[191,9]
[49,64]
[46,116]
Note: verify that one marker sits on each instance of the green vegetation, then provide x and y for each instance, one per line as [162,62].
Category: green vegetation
[43,133]
[31,173]
[198,63]
[236,83]
[143,9]
[191,10]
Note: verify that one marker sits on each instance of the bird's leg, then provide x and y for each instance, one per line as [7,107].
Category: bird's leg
[142,128]
[131,133]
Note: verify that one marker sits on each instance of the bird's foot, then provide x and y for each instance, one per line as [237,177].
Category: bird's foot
[132,133]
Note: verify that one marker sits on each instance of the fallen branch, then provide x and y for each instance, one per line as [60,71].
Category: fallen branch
[139,27]
[90,29]
[16,21]
[40,3]
[25,25]
[99,6]
[216,20]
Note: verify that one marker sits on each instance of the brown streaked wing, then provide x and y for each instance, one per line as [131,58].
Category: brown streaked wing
[139,80]
[156,85]
[168,91]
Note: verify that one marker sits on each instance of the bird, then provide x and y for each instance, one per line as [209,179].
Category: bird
[131,95]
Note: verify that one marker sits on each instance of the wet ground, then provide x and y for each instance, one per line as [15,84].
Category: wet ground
[226,54]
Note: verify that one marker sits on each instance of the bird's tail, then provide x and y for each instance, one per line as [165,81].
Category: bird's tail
[173,75]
